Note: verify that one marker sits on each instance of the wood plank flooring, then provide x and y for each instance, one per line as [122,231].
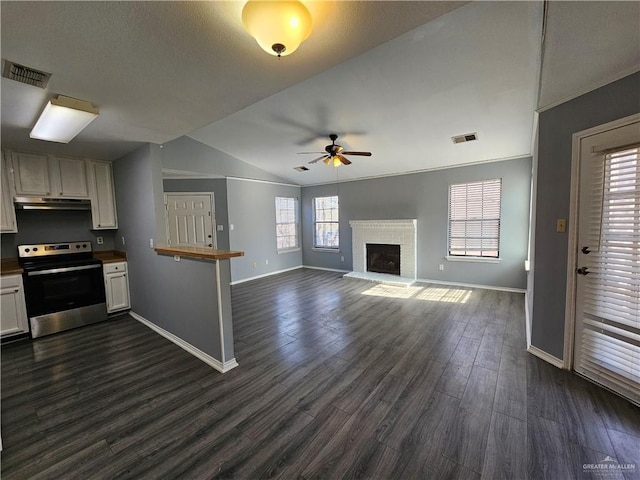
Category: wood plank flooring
[337,379]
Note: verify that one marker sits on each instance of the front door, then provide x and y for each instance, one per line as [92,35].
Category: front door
[190,220]
[607,334]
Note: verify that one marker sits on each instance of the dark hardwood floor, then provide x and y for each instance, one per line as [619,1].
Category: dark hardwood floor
[337,379]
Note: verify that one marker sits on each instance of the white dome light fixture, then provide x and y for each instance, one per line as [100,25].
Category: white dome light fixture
[278,27]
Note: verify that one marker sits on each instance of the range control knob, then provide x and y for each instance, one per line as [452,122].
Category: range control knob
[27,250]
[84,245]
[35,249]
[77,246]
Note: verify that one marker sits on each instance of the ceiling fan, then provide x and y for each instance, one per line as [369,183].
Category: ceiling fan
[335,153]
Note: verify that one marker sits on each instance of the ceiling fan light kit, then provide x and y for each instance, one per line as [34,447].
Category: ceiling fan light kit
[335,154]
[62,119]
[278,27]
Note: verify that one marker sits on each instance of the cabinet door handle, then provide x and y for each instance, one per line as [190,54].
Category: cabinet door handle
[16,290]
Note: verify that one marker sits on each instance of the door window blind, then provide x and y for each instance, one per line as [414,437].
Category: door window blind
[610,337]
[474,218]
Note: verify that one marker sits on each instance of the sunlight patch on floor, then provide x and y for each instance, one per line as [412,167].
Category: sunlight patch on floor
[432,294]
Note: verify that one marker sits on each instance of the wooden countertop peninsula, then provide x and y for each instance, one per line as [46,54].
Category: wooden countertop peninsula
[198,252]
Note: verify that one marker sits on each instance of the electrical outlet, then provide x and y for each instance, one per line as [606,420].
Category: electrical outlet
[231,226]
[266,262]
[123,240]
[255,264]
[342,258]
[441,267]
[176,258]
[151,243]
[100,240]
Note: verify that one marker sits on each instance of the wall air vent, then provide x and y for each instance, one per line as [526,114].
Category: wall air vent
[467,137]
[22,74]
[301,169]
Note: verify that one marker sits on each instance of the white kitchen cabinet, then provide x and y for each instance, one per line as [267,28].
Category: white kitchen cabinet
[49,175]
[102,194]
[68,177]
[7,211]
[116,284]
[13,310]
[30,174]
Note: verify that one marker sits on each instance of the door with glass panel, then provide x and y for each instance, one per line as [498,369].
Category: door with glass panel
[607,333]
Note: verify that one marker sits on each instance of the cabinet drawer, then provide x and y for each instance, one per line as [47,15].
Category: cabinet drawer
[115,267]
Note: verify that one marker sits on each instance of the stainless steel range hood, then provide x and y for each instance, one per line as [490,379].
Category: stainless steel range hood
[45,203]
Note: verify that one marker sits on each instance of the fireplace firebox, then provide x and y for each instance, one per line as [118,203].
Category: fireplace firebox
[383,258]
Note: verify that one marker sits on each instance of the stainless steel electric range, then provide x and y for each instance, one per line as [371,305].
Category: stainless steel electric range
[64,286]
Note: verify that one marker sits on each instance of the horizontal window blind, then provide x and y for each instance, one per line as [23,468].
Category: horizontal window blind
[474,218]
[610,337]
[286,223]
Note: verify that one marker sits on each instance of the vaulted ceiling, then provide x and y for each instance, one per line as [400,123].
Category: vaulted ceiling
[396,78]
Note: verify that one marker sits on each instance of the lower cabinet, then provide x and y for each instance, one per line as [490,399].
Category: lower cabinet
[13,314]
[116,284]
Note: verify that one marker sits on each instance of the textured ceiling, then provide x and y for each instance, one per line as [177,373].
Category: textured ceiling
[396,78]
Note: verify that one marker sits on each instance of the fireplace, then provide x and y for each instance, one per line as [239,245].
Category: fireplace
[383,258]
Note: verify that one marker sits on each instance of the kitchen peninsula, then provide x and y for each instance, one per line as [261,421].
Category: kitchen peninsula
[222,294]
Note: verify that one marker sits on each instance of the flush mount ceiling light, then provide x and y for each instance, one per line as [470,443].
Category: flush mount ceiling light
[62,119]
[278,27]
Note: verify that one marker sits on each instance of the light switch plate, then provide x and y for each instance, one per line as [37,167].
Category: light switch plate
[220,228]
[561,225]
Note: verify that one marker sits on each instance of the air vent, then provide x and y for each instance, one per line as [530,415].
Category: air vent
[22,74]
[301,169]
[467,137]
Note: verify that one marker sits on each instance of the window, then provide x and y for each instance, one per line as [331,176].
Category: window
[286,223]
[474,219]
[325,222]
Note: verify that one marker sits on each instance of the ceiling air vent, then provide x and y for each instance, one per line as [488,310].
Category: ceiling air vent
[467,137]
[22,74]
[301,169]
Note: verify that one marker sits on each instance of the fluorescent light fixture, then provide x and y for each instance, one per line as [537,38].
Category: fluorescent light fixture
[62,119]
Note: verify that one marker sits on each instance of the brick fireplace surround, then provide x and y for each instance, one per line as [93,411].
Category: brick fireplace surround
[394,232]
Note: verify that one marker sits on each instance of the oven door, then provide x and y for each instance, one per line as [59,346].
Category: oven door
[64,288]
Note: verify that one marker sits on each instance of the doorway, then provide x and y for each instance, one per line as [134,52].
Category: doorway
[604,265]
[190,219]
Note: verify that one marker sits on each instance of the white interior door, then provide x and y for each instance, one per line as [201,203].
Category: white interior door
[190,219]
[607,334]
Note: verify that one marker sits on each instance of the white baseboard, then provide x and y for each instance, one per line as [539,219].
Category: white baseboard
[264,275]
[547,357]
[473,285]
[326,269]
[196,352]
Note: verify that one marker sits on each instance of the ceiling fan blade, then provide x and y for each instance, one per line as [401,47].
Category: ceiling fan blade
[362,154]
[319,158]
[344,160]
[308,153]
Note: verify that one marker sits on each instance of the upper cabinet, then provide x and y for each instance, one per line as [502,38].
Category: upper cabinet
[49,176]
[102,194]
[7,212]
[68,177]
[31,174]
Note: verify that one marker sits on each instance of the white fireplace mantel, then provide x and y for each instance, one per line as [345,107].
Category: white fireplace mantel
[394,232]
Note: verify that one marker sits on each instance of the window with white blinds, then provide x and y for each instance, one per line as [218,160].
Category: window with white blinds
[474,219]
[610,336]
[287,223]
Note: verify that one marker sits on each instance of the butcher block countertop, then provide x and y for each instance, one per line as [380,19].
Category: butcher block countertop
[110,256]
[198,252]
[10,266]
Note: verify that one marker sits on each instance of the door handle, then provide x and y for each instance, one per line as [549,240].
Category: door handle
[210,245]
[208,236]
[586,250]
[582,271]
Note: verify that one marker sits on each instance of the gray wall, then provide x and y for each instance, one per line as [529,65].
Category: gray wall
[177,296]
[187,154]
[50,226]
[424,196]
[252,213]
[555,129]
[219,188]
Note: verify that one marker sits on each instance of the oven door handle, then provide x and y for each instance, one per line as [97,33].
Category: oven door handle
[63,270]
